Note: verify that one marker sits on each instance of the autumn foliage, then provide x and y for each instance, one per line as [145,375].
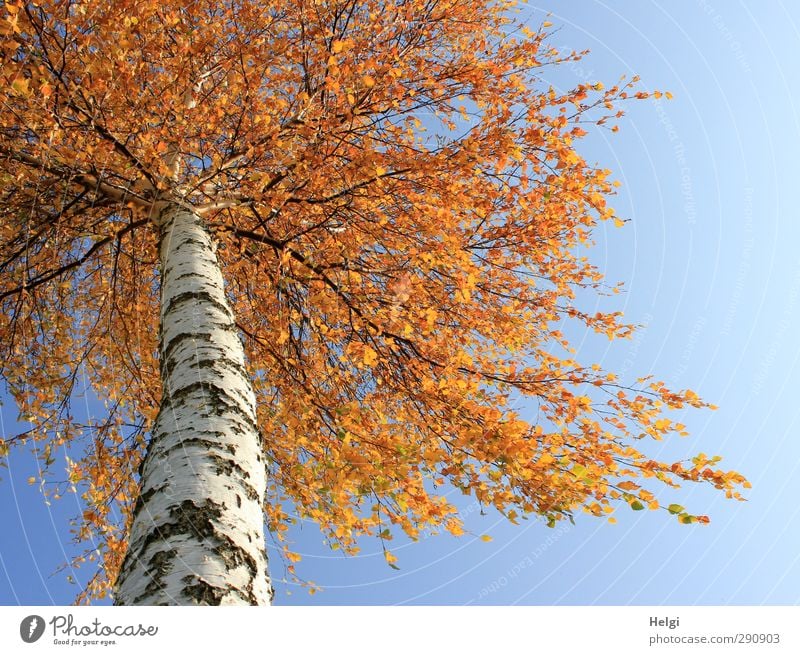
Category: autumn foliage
[398,197]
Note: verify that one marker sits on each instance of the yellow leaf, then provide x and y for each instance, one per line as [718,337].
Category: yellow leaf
[370,356]
[547,23]
[31,480]
[430,317]
[338,46]
[368,81]
[20,86]
[455,529]
[485,537]
[463,294]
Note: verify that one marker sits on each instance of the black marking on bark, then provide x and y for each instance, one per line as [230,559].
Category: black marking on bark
[217,397]
[145,496]
[200,442]
[223,466]
[221,359]
[195,296]
[182,241]
[226,467]
[201,523]
[168,349]
[158,567]
[202,592]
[183,276]
[208,371]
[197,520]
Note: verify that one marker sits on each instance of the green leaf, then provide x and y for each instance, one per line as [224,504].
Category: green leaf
[579,471]
[20,87]
[675,508]
[636,506]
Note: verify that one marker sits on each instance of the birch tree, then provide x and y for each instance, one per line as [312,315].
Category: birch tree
[304,254]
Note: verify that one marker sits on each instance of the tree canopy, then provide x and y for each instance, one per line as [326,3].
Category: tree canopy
[398,198]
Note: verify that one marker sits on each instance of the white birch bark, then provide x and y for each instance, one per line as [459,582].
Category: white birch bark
[198,531]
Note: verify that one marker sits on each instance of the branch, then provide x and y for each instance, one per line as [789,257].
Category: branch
[99,129]
[89,181]
[409,343]
[42,279]
[240,200]
[344,192]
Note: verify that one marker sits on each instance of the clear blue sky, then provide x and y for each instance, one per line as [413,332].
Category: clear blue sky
[712,269]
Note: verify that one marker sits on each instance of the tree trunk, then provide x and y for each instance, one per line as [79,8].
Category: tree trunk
[198,527]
